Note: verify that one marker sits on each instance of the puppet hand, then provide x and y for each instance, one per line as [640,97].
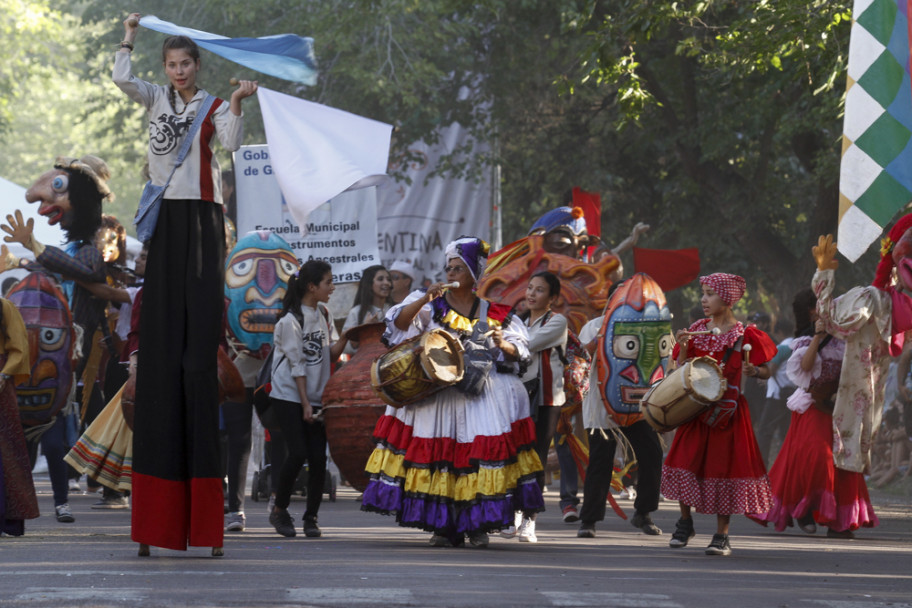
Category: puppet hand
[825,253]
[639,229]
[19,230]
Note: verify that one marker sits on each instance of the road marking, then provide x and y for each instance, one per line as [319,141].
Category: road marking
[347,597]
[113,573]
[858,604]
[610,600]
[62,595]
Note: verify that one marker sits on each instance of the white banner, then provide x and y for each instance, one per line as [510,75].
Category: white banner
[342,231]
[416,221]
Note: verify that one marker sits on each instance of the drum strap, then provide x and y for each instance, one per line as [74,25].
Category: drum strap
[730,350]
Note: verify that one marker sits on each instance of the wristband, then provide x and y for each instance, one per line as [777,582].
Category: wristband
[126,45]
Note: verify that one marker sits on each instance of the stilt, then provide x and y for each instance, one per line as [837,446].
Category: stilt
[218,551]
[143,550]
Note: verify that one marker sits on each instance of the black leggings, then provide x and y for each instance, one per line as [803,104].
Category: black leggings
[305,442]
[238,417]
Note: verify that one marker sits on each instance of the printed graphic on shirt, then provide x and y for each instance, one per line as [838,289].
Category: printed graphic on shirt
[313,347]
[165,132]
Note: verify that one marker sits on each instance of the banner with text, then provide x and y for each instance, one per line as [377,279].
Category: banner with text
[342,231]
[415,222]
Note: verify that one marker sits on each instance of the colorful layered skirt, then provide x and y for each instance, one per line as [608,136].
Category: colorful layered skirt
[104,452]
[457,465]
[805,480]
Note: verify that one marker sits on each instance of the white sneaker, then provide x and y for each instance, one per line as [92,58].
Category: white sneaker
[630,493]
[527,531]
[511,531]
[73,486]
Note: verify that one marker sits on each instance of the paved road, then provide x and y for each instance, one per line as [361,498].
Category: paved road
[365,560]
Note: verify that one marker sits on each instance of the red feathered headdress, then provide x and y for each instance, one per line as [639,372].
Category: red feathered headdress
[884,273]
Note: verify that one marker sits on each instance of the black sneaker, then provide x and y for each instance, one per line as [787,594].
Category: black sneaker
[282,522]
[311,529]
[645,523]
[586,531]
[719,545]
[684,531]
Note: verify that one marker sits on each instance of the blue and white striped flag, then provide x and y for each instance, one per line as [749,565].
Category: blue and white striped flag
[285,56]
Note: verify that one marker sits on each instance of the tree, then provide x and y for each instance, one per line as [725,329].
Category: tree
[740,102]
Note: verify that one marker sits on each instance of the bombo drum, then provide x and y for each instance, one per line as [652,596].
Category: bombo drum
[417,368]
[684,394]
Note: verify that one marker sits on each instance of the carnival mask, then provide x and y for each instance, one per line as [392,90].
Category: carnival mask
[50,334]
[634,346]
[256,276]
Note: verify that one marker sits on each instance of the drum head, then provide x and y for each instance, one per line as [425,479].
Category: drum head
[706,380]
[441,357]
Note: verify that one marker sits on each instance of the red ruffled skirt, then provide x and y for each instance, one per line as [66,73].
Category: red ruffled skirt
[717,470]
[804,479]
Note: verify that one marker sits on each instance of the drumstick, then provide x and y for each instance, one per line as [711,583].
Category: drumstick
[454,285]
[745,352]
[715,331]
[133,22]
[234,81]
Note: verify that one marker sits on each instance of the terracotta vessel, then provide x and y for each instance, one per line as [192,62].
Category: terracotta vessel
[351,408]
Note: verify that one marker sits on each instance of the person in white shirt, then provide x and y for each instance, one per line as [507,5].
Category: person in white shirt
[306,345]
[372,300]
[177,477]
[544,377]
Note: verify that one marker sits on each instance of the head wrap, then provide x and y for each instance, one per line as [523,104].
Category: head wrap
[570,218]
[729,287]
[473,251]
[884,274]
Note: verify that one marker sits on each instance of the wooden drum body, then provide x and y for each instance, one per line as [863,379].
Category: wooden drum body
[684,394]
[417,368]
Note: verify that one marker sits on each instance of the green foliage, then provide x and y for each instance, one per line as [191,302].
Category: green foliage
[717,122]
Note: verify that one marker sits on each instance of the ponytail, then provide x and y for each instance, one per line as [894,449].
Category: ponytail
[311,273]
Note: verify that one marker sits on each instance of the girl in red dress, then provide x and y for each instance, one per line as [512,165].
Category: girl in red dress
[807,486]
[714,465]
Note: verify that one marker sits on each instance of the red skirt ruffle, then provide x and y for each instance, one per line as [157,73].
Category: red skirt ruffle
[804,479]
[717,470]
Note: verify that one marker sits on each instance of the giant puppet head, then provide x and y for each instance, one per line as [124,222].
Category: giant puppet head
[256,276]
[71,194]
[634,345]
[564,231]
[50,333]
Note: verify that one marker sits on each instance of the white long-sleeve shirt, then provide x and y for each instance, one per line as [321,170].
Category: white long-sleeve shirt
[547,343]
[199,177]
[303,349]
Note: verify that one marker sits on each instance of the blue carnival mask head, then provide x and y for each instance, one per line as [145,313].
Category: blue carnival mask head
[256,276]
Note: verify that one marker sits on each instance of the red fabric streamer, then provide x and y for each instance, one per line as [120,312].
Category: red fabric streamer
[671,268]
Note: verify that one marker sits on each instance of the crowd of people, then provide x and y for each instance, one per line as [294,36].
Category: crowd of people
[463,462]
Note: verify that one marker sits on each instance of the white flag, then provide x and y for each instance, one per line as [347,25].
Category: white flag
[318,152]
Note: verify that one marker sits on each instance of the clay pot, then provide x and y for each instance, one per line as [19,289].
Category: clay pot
[351,408]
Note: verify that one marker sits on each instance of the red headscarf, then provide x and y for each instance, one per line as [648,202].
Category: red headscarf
[729,287]
[885,268]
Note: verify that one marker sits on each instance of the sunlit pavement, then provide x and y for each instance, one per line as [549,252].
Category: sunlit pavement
[364,559]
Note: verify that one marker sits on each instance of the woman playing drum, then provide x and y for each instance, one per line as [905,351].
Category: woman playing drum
[714,465]
[458,464]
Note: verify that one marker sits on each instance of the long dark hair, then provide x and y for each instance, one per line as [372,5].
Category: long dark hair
[311,273]
[365,294]
[803,303]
